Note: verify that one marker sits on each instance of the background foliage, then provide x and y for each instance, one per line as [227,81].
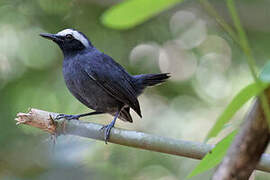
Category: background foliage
[208,70]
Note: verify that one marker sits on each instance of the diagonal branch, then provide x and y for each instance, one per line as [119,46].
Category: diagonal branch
[247,148]
[44,120]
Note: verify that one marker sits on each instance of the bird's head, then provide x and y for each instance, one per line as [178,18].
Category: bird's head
[69,40]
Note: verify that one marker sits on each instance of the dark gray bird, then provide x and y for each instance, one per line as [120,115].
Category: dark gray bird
[99,82]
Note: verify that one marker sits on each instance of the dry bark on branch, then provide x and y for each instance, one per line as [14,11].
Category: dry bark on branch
[247,148]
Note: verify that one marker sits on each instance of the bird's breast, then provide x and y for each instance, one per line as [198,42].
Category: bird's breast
[87,90]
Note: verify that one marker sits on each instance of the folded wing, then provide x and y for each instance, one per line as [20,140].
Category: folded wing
[110,76]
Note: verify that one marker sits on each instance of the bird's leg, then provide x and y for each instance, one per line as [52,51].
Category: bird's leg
[69,117]
[107,128]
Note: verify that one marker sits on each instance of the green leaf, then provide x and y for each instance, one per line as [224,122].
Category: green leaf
[249,57]
[134,12]
[265,74]
[214,157]
[238,101]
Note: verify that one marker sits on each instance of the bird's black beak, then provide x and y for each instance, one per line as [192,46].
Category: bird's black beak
[53,37]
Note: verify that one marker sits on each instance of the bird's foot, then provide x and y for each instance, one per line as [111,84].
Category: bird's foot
[67,117]
[107,131]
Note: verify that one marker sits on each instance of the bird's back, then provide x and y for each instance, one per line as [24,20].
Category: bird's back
[112,77]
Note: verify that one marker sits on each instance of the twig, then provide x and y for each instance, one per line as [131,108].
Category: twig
[44,120]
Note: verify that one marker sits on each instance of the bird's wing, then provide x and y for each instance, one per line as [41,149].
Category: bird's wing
[113,79]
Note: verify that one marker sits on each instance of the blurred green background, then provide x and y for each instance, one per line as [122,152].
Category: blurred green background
[207,69]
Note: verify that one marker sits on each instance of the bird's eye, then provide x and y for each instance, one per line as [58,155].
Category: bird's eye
[69,36]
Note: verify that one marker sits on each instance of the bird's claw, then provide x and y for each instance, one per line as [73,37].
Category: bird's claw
[67,117]
[107,130]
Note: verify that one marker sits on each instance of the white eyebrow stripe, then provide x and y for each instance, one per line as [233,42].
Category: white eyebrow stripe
[76,35]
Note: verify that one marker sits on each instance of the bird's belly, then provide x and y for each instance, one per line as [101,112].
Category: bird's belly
[92,95]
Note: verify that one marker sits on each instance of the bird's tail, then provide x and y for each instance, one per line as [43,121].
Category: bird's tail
[143,80]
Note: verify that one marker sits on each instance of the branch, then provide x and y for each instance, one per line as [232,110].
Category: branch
[247,148]
[44,120]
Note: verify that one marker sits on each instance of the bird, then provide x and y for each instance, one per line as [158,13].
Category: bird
[98,81]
